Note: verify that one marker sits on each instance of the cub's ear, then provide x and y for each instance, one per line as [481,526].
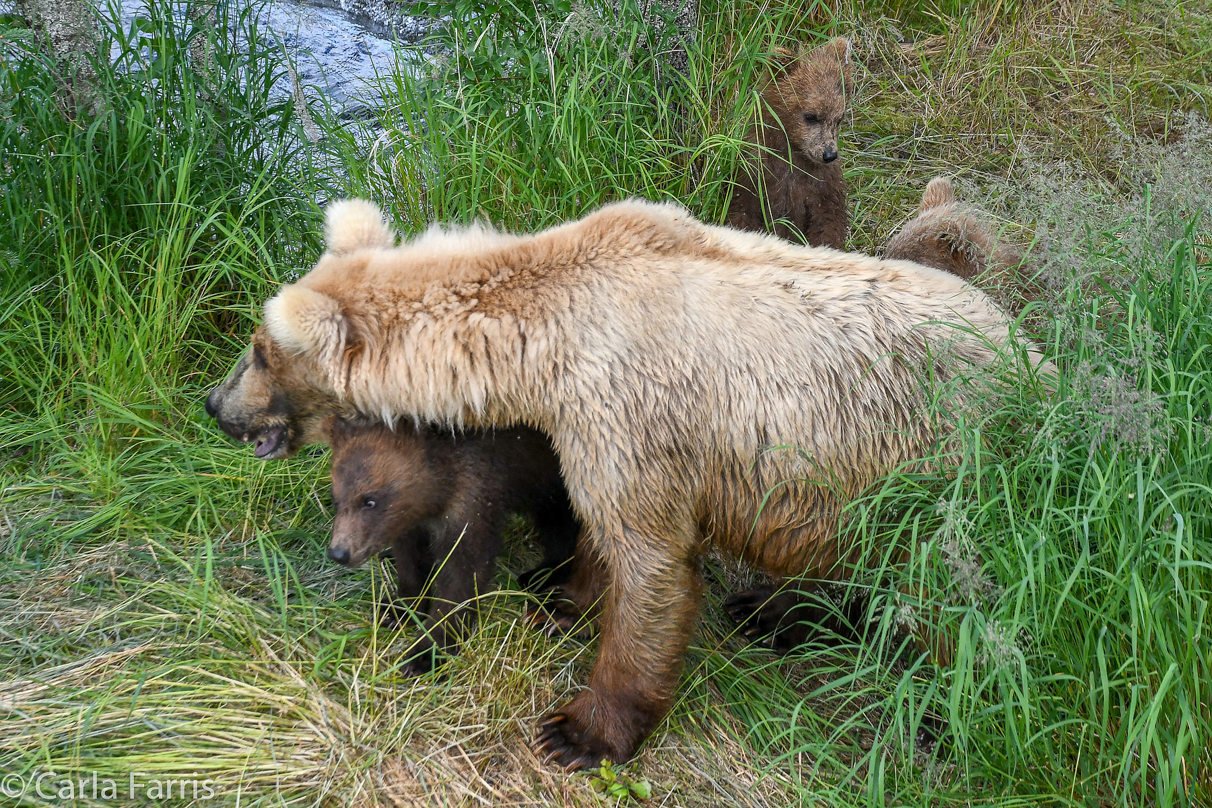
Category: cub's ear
[339,430]
[782,59]
[938,192]
[841,46]
[352,224]
[305,321]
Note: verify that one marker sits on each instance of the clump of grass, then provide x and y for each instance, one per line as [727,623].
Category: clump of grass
[133,237]
[1079,503]
[586,92]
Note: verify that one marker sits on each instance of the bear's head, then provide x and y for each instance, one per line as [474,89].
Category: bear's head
[383,484]
[810,92]
[274,399]
[267,401]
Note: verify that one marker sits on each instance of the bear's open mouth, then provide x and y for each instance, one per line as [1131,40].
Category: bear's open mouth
[269,441]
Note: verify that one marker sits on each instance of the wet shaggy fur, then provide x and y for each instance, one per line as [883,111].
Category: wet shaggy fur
[439,500]
[945,235]
[957,239]
[672,363]
[798,191]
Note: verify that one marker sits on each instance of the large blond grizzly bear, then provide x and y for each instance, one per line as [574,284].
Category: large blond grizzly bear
[671,362]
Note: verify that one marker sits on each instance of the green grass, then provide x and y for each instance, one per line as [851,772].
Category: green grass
[165,604]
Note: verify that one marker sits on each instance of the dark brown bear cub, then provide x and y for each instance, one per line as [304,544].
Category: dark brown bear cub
[800,193]
[440,500]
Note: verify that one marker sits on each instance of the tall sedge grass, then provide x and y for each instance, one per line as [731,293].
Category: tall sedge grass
[584,94]
[165,604]
[132,238]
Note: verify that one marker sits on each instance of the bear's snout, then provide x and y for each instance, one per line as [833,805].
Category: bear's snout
[339,554]
[829,155]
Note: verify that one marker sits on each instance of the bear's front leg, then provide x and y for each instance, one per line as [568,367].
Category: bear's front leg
[646,623]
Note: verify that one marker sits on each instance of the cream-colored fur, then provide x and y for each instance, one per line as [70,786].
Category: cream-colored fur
[355,223]
[673,363]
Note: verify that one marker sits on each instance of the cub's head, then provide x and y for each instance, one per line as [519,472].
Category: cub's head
[810,93]
[275,399]
[383,484]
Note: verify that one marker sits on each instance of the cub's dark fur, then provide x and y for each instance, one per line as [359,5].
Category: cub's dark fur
[440,500]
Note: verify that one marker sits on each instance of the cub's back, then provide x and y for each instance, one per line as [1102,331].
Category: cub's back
[515,468]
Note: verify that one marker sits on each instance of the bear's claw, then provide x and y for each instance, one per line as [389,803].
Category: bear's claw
[563,742]
[421,659]
[558,616]
[545,577]
[390,614]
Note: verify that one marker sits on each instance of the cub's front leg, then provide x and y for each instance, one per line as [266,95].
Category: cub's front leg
[464,559]
[410,554]
[573,607]
[558,527]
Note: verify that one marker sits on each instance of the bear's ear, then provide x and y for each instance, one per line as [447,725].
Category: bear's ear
[339,430]
[352,224]
[938,192]
[305,321]
[841,46]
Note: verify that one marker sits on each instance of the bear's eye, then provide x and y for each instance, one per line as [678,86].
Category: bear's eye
[368,502]
[810,118]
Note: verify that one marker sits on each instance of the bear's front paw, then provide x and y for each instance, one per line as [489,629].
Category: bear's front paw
[565,741]
[545,577]
[390,614]
[420,659]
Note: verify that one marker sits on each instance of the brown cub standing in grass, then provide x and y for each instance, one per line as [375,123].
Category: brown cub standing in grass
[801,182]
[439,500]
[953,237]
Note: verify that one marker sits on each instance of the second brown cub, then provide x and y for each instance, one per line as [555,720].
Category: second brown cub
[956,238]
[798,191]
[440,500]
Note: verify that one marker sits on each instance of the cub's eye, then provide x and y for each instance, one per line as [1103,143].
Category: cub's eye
[368,502]
[810,118]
